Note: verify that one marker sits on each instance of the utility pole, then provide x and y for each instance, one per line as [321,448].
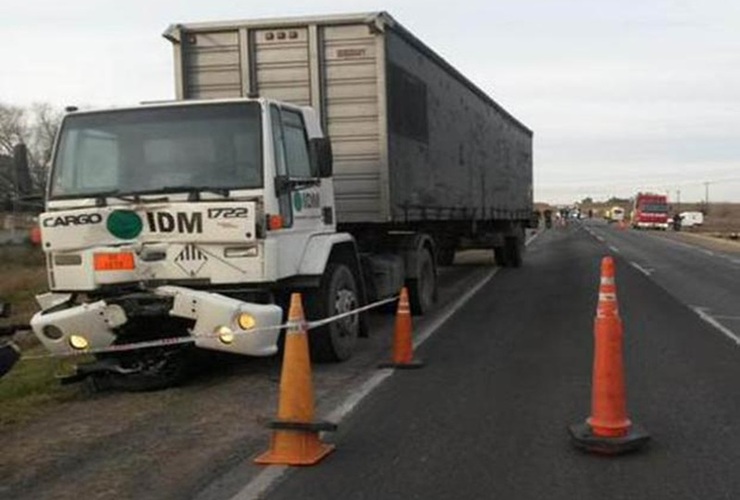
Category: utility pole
[678,200]
[706,198]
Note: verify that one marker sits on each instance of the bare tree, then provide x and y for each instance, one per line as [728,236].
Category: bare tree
[35,126]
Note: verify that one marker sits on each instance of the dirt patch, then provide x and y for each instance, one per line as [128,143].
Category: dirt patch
[708,241]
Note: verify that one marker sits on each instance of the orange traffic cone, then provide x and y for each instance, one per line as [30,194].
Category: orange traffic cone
[608,430]
[403,347]
[295,440]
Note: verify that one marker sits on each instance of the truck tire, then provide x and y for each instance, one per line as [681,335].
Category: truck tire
[337,293]
[514,251]
[423,289]
[446,256]
[157,369]
[501,256]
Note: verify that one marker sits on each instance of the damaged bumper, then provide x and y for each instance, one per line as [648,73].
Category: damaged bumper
[219,322]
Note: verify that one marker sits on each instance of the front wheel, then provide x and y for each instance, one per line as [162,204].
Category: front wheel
[337,294]
[148,369]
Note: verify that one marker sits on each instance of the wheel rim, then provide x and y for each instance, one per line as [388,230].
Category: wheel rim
[345,301]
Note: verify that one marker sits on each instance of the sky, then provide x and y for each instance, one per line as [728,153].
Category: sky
[622,96]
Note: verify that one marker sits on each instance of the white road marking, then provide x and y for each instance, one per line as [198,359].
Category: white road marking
[261,482]
[430,329]
[727,318]
[601,239]
[735,261]
[643,270]
[532,238]
[708,252]
[719,326]
[614,249]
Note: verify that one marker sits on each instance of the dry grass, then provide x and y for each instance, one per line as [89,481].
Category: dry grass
[22,276]
[31,386]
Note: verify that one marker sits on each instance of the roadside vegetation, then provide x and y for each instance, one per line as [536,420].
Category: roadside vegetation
[31,386]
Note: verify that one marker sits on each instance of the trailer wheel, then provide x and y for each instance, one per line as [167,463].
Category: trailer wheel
[423,289]
[501,256]
[338,293]
[446,255]
[514,251]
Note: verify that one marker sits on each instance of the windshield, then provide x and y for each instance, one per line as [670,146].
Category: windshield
[212,146]
[655,208]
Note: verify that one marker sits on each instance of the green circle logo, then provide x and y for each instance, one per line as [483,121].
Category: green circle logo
[298,202]
[124,224]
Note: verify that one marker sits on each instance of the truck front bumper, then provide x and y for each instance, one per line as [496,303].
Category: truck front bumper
[220,323]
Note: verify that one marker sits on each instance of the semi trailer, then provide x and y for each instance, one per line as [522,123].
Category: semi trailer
[337,156]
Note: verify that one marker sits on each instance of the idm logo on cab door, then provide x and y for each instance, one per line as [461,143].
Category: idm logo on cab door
[306,200]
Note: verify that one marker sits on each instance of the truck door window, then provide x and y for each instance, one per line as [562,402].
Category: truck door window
[278,144]
[296,145]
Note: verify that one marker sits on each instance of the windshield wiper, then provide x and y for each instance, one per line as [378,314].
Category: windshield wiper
[193,191]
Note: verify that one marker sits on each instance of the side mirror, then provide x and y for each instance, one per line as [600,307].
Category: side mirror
[322,160]
[23,184]
[282,185]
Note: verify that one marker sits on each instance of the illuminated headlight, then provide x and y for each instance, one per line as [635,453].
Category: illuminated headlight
[246,321]
[78,342]
[52,332]
[225,334]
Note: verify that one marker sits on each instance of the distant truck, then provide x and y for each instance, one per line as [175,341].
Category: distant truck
[336,156]
[650,211]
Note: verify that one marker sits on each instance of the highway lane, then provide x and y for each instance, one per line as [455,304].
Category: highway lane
[487,417]
[707,280]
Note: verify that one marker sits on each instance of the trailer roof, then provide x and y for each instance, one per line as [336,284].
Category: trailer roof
[379,20]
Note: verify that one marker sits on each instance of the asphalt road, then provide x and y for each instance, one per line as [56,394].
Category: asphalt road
[510,371]
[705,279]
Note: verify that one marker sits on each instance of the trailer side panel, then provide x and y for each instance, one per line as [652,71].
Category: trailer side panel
[452,154]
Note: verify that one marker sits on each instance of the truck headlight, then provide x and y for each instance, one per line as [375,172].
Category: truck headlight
[246,321]
[225,334]
[78,342]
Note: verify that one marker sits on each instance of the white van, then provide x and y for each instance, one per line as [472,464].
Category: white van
[691,219]
[617,214]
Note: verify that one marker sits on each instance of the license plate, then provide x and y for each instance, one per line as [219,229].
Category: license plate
[123,261]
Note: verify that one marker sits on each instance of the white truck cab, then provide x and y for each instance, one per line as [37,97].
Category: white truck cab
[200,214]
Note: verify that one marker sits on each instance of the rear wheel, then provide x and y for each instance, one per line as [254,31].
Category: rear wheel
[446,255]
[337,294]
[514,250]
[501,256]
[423,288]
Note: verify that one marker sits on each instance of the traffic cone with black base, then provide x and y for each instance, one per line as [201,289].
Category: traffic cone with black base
[295,438]
[608,430]
[403,345]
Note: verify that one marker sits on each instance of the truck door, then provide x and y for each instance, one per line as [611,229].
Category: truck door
[300,191]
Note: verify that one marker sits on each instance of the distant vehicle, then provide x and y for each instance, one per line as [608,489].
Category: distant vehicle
[691,219]
[650,211]
[615,214]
